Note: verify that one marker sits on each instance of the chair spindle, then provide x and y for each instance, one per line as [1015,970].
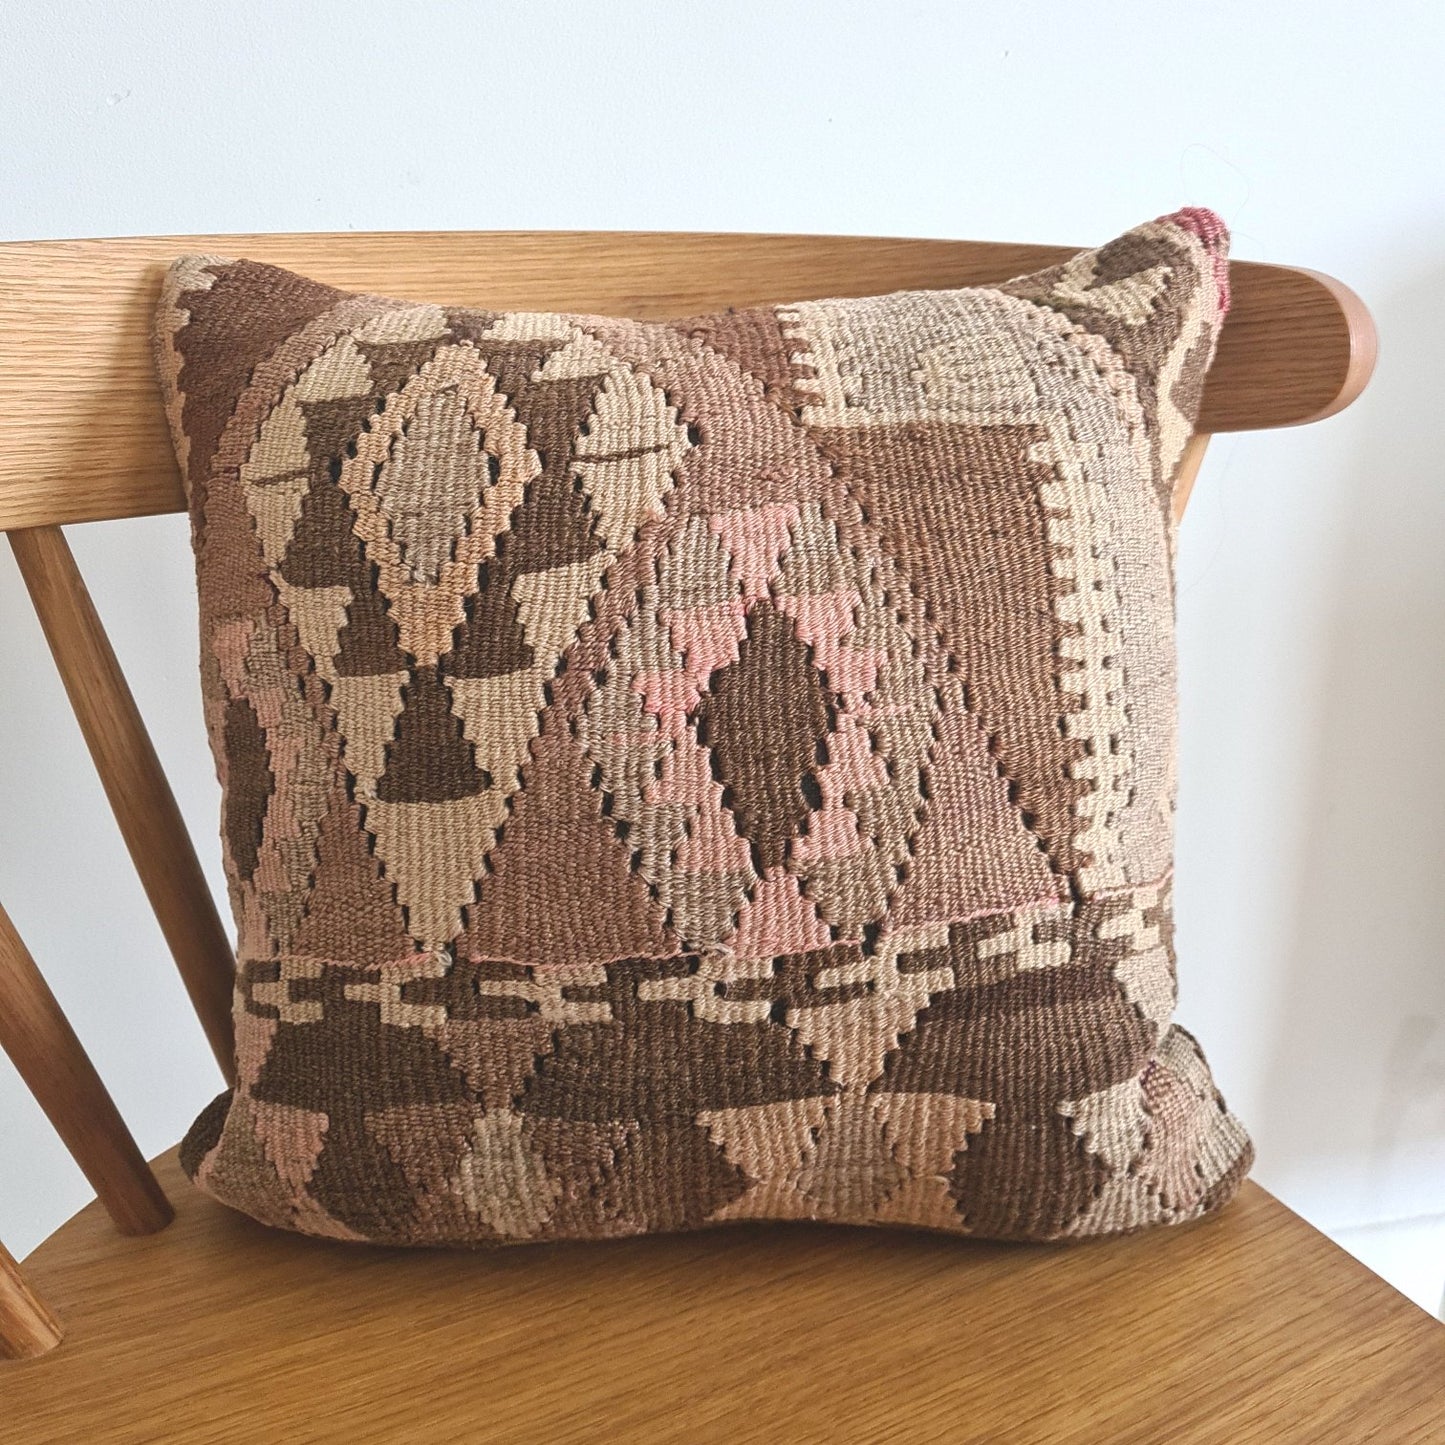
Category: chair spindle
[27,1325]
[55,1067]
[140,797]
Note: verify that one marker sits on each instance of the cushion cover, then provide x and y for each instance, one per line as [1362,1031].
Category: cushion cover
[718,770]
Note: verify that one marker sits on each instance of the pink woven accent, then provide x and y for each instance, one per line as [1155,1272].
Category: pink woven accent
[708,638]
[778,920]
[756,539]
[1214,234]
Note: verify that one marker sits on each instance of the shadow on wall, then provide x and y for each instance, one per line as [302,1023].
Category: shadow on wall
[1365,958]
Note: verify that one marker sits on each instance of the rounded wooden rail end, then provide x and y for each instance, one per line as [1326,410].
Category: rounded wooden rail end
[1296,347]
[1359,351]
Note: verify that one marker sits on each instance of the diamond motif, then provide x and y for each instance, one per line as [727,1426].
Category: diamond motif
[389,476]
[762,719]
[764,700]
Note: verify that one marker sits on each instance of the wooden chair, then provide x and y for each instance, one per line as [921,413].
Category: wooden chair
[1247,1326]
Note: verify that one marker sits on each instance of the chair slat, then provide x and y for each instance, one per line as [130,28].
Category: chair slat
[139,794]
[1187,470]
[56,1069]
[83,437]
[27,1326]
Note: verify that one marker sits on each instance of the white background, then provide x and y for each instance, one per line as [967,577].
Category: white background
[1312,598]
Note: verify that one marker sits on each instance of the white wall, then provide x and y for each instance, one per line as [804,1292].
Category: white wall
[1312,598]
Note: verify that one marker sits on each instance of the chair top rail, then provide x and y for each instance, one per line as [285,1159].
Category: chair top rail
[82,432]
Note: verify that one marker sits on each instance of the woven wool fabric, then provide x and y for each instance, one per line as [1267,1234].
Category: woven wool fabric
[700,772]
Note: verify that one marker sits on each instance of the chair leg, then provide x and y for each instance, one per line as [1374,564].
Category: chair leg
[27,1327]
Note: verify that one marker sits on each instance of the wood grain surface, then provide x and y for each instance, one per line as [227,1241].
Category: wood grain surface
[1249,1326]
[82,435]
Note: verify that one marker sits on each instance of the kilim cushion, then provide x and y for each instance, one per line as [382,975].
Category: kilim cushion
[704,771]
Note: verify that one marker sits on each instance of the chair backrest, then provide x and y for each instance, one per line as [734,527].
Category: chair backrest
[75,366]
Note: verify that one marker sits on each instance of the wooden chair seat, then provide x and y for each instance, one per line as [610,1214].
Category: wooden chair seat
[1248,1326]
